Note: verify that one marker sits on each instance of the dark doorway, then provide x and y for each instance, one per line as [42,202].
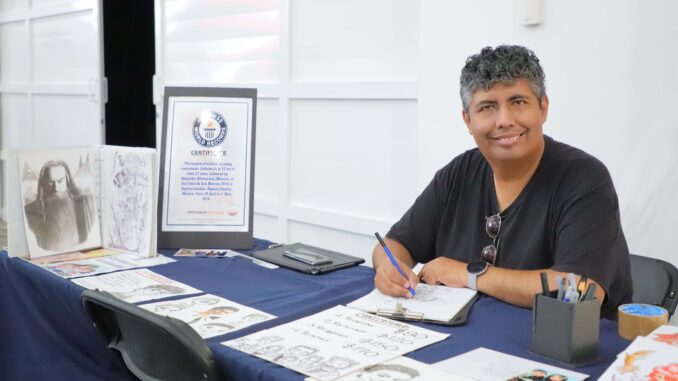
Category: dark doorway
[129,65]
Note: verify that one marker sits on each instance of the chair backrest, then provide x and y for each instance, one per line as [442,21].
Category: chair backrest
[150,346]
[654,282]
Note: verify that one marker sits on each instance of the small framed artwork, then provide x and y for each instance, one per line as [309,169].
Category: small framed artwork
[207,168]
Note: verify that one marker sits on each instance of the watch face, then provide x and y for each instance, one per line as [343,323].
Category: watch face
[476,267]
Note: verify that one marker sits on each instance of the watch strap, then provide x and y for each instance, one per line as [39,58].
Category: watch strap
[472,278]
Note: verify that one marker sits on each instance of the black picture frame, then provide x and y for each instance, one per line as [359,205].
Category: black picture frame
[207,238]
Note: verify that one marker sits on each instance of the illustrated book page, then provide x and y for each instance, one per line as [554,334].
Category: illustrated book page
[70,200]
[129,199]
[61,199]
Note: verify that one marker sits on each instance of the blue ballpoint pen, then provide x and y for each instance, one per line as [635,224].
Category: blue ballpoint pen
[392,258]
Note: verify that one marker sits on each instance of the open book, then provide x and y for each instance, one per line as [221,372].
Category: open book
[68,200]
[432,304]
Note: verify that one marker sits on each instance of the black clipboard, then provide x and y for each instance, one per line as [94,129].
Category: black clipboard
[403,314]
[338,260]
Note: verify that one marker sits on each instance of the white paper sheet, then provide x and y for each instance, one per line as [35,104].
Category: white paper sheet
[484,364]
[136,285]
[434,302]
[128,201]
[210,315]
[644,359]
[335,342]
[61,199]
[667,334]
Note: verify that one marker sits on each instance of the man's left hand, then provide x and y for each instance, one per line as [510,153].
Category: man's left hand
[442,270]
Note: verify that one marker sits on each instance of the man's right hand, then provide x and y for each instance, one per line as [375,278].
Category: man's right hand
[387,279]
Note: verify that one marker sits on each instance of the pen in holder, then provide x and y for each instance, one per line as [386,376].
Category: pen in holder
[565,331]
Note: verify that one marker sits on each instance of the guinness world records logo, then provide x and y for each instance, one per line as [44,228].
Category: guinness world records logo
[209,129]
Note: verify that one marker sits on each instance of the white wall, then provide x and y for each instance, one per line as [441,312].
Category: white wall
[50,78]
[337,104]
[612,73]
[359,100]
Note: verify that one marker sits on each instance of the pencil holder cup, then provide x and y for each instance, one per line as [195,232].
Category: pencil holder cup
[567,332]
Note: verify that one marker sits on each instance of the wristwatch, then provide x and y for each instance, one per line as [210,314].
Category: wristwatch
[475,269]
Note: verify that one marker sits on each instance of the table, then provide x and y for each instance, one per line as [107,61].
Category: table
[45,333]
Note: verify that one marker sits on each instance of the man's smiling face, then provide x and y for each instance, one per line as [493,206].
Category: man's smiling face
[506,121]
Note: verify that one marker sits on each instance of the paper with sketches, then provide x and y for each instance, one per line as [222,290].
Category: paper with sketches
[667,334]
[335,342]
[484,364]
[210,315]
[128,200]
[106,264]
[226,253]
[136,285]
[400,369]
[69,200]
[60,194]
[644,359]
[439,303]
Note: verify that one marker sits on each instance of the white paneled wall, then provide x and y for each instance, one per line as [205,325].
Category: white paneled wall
[50,75]
[337,109]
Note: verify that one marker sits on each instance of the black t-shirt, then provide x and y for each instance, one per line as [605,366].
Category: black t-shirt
[566,218]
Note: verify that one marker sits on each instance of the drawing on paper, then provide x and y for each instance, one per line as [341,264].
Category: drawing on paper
[128,202]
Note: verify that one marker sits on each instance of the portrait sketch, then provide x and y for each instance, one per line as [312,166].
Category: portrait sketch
[60,210]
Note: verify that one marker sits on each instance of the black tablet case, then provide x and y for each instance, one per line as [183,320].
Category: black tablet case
[275,255]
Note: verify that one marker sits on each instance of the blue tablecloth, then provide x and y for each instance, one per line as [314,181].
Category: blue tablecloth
[46,335]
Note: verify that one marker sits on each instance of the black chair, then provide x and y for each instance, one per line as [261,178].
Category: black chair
[654,282]
[149,346]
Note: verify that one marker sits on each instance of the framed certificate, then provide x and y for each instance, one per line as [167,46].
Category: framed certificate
[207,168]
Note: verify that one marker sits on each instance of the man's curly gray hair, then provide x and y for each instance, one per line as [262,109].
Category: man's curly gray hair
[504,64]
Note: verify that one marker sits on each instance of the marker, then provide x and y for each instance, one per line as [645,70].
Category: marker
[571,294]
[392,258]
[581,286]
[544,284]
[560,281]
[590,292]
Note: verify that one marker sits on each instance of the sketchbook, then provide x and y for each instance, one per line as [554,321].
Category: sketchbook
[432,304]
[68,200]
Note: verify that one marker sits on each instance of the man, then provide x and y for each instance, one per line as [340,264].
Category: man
[62,215]
[519,204]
